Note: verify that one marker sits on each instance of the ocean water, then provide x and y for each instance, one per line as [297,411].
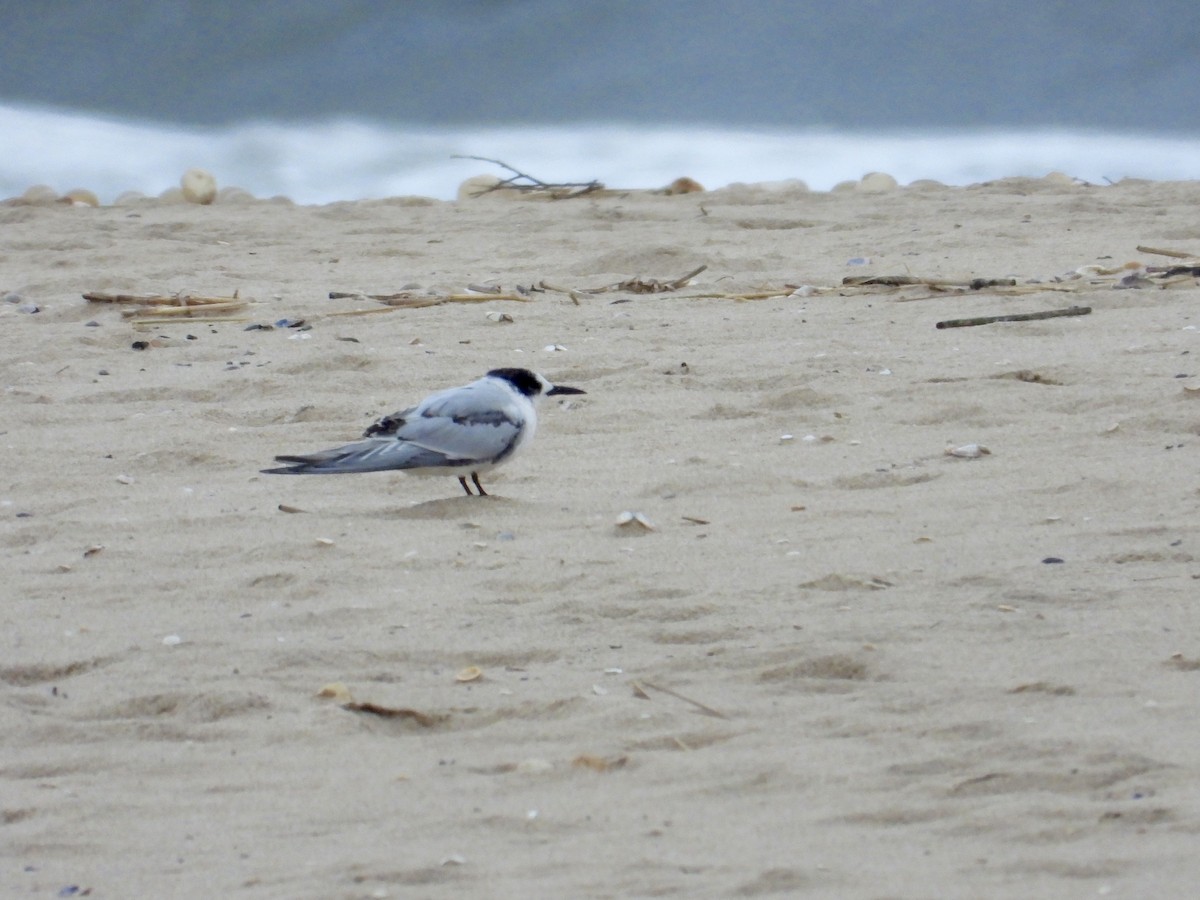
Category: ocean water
[346,159]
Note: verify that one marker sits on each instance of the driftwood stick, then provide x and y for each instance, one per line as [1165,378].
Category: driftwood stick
[179,300]
[184,312]
[1158,251]
[142,322]
[1016,317]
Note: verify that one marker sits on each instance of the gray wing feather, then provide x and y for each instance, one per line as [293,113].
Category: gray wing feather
[372,455]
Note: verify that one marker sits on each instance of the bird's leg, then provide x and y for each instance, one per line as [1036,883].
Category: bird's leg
[475,478]
[463,482]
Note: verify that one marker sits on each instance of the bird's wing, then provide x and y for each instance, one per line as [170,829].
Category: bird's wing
[479,422]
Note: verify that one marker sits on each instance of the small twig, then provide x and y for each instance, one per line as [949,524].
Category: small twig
[425,720]
[974,284]
[575,188]
[752,295]
[680,282]
[409,300]
[1017,317]
[634,285]
[1175,254]
[197,320]
[707,710]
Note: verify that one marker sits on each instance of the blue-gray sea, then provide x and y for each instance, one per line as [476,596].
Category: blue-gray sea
[324,100]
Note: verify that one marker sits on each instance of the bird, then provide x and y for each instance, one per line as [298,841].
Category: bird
[461,431]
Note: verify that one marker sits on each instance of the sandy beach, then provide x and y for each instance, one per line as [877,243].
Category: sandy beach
[842,663]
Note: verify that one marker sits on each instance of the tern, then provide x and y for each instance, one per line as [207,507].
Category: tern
[462,431]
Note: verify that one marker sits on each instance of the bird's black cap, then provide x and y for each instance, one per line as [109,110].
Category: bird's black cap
[522,379]
[529,384]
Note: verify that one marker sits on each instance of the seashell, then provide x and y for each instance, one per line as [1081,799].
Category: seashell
[683,185]
[172,640]
[470,673]
[553,348]
[234,195]
[499,317]
[627,519]
[599,763]
[968,451]
[130,198]
[876,183]
[40,195]
[80,197]
[336,691]
[93,550]
[325,542]
[198,186]
[1059,179]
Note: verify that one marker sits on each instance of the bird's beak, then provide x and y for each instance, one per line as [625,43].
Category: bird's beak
[563,389]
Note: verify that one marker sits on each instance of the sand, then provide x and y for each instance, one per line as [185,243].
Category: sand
[842,664]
